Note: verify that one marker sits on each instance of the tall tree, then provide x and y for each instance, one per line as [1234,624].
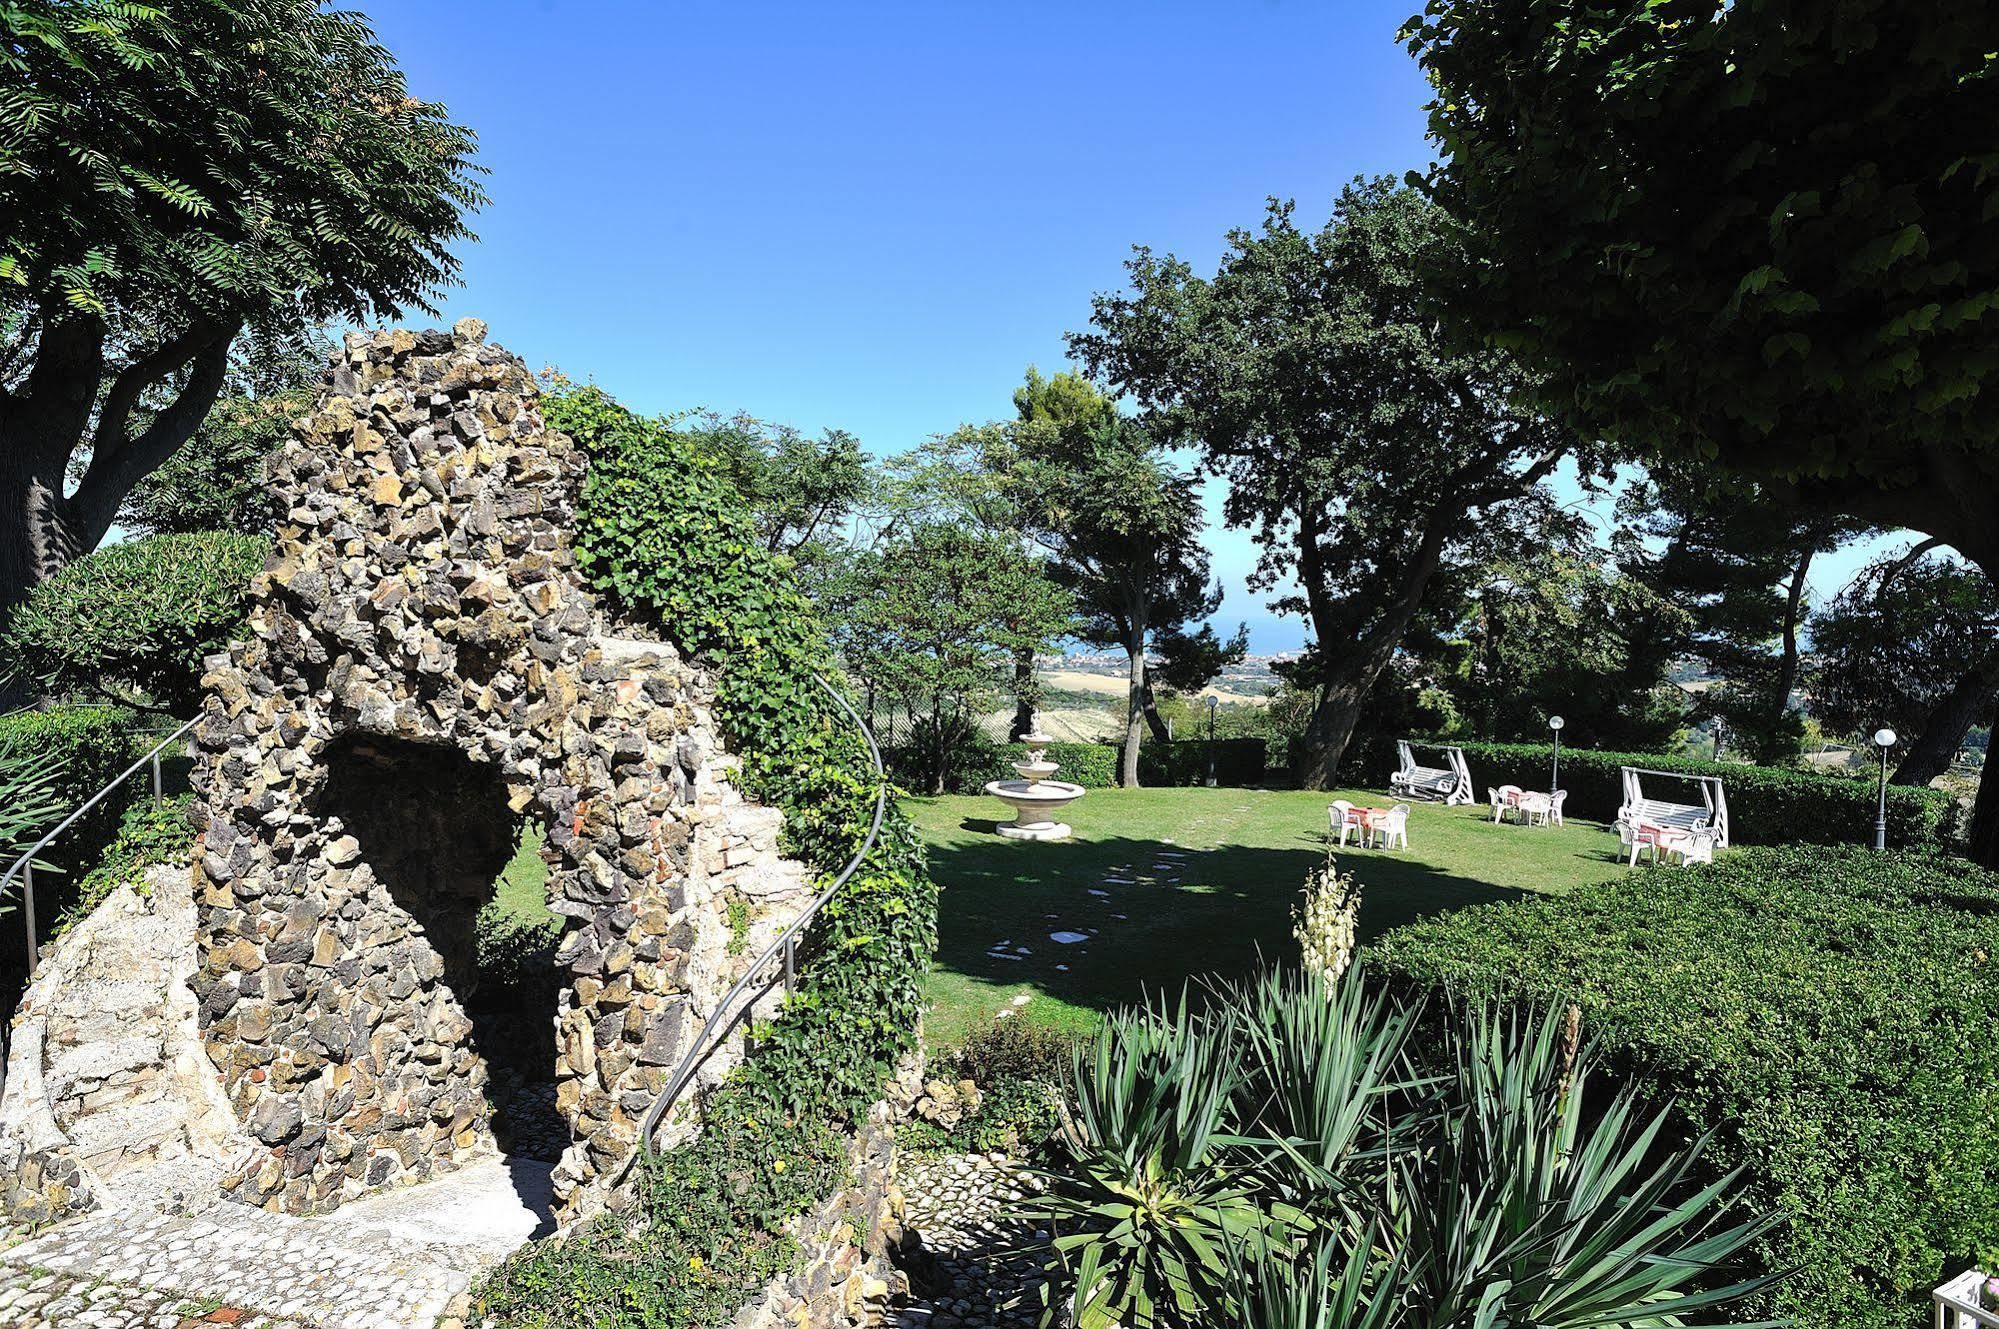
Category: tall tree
[1123,528]
[1913,644]
[1737,562]
[1314,373]
[801,489]
[1761,232]
[1540,621]
[172,177]
[931,618]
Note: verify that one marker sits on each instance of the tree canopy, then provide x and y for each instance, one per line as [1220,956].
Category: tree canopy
[1913,644]
[170,177]
[1764,232]
[1361,443]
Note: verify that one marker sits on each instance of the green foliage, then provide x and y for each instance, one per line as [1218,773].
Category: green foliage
[1762,233]
[1824,1011]
[1363,448]
[1020,1068]
[173,132]
[663,530]
[1766,805]
[1898,641]
[149,834]
[799,489]
[29,801]
[137,617]
[215,482]
[67,754]
[934,619]
[1238,762]
[1286,1135]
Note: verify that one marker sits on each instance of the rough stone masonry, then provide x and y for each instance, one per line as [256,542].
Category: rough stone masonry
[424,667]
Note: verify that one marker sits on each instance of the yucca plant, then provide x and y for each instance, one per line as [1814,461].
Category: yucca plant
[1330,1284]
[29,804]
[1149,1193]
[1527,1211]
[1327,1084]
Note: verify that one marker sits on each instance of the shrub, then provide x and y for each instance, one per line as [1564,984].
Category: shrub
[1238,762]
[1828,1013]
[663,533]
[1766,805]
[138,616]
[1286,1127]
[149,834]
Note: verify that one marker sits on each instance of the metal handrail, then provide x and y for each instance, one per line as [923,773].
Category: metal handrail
[24,866]
[785,946]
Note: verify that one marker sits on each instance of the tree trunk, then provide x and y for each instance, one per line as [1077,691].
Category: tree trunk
[1154,721]
[1023,696]
[1345,685]
[1944,728]
[37,537]
[1787,665]
[1984,847]
[1134,718]
[1330,728]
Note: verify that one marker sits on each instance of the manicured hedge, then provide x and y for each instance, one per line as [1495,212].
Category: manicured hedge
[1238,761]
[1766,804]
[1830,1013]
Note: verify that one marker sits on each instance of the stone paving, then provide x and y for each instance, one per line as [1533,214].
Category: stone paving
[395,1261]
[989,1268]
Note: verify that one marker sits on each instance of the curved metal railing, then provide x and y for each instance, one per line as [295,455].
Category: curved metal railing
[24,866]
[784,949]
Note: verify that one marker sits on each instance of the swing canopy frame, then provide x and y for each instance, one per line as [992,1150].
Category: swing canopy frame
[1449,783]
[1640,808]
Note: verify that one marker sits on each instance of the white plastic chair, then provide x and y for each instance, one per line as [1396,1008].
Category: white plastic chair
[1555,805]
[1501,805]
[1394,828]
[1498,801]
[1341,815]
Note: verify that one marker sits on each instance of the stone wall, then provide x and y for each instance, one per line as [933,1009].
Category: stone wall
[845,1276]
[424,666]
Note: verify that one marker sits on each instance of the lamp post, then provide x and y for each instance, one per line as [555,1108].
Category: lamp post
[1555,722]
[1212,702]
[1884,739]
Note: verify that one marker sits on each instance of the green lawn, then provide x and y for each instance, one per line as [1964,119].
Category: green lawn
[1246,855]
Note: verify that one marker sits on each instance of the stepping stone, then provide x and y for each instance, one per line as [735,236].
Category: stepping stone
[1068,938]
[1104,895]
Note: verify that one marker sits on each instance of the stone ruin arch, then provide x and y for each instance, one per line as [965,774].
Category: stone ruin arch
[424,666]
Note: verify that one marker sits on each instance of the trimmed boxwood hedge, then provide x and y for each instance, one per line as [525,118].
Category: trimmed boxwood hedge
[1829,1013]
[1238,761]
[1766,804]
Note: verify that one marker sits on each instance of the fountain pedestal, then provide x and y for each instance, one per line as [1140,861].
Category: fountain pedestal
[1034,798]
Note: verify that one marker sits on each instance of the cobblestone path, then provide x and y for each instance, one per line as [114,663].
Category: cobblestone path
[396,1261]
[989,1266]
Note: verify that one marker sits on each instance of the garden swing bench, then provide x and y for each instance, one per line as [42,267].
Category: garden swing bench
[1450,783]
[1691,830]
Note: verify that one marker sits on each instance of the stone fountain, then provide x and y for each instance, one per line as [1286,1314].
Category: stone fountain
[1034,797]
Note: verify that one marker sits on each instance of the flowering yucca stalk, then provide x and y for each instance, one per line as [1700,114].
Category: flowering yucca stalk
[1325,924]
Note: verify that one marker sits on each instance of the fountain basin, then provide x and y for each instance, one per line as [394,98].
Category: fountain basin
[1034,803]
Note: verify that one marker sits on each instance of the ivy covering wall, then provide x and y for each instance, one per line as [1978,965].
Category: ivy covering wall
[666,537]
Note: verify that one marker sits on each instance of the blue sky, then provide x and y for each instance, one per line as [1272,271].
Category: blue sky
[875,216]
